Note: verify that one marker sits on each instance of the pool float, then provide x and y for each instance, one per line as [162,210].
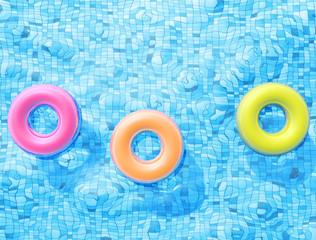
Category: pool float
[68,120]
[296,124]
[171,146]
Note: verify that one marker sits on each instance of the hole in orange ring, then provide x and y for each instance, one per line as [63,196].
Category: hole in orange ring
[146,145]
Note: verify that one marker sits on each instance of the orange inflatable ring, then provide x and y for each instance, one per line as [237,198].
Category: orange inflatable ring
[171,146]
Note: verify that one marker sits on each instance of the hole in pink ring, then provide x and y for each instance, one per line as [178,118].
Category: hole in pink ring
[43,120]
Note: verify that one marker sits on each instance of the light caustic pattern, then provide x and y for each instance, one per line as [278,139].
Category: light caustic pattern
[193,60]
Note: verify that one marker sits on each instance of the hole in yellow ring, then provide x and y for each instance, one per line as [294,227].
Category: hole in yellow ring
[270,116]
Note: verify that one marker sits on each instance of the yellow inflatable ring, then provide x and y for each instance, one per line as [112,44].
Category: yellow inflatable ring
[294,130]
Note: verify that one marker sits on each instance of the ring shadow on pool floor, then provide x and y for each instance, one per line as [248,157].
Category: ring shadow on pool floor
[86,171]
[288,169]
[79,161]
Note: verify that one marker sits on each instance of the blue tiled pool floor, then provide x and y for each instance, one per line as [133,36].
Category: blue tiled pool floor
[191,59]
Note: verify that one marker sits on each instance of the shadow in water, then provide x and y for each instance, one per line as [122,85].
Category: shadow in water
[80,161]
[288,169]
[179,194]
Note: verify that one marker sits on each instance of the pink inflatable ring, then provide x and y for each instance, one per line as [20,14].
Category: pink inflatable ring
[68,120]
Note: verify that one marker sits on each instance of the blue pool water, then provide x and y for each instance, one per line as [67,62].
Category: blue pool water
[191,59]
